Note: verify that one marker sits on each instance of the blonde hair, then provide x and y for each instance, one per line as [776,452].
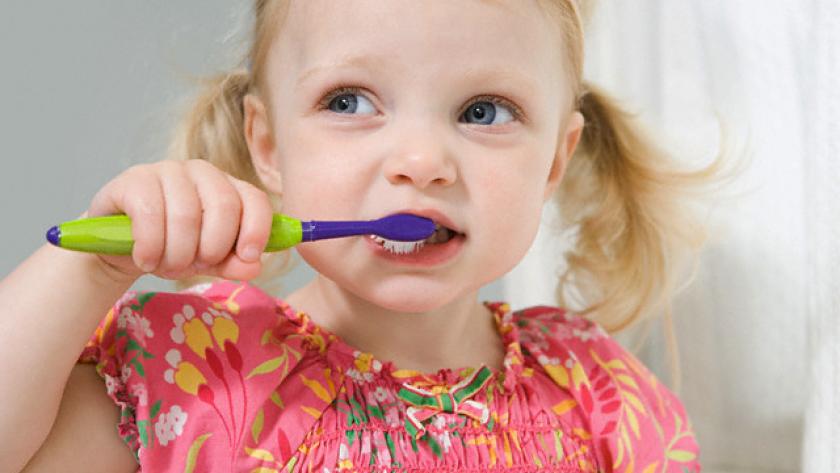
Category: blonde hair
[625,198]
[213,129]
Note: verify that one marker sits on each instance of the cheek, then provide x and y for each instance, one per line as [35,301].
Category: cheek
[318,182]
[319,195]
[513,203]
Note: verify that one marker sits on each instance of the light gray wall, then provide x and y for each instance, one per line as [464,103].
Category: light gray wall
[89,88]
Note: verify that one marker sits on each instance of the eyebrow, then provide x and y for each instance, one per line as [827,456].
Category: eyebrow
[501,75]
[353,61]
[520,82]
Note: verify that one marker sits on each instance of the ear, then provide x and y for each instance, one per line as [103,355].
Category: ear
[566,145]
[260,139]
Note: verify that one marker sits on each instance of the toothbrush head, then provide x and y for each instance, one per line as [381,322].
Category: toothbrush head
[404,227]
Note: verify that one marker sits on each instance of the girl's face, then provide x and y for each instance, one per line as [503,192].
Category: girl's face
[454,110]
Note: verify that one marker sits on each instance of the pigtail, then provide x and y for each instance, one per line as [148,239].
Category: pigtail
[626,200]
[213,130]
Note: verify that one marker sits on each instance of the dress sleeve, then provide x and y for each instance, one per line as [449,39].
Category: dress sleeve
[155,351]
[108,348]
[212,378]
[636,423]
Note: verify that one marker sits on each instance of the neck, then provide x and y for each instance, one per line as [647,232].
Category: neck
[458,334]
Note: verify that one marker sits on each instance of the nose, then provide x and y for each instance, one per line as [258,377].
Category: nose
[420,159]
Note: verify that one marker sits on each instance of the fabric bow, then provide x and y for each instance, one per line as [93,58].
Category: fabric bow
[425,404]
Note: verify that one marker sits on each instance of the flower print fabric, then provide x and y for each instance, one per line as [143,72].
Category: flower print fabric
[223,377]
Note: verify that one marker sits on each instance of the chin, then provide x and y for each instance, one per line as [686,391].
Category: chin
[417,305]
[408,296]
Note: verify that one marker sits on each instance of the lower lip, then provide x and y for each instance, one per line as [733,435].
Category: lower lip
[428,255]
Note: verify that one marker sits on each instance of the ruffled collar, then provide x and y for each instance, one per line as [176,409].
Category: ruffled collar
[362,367]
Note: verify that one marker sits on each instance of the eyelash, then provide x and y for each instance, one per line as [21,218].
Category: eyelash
[338,91]
[517,113]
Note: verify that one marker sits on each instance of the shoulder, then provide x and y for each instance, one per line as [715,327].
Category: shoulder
[546,323]
[236,300]
[634,420]
[155,318]
[165,325]
[175,363]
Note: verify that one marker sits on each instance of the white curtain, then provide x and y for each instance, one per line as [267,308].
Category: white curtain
[821,451]
[758,329]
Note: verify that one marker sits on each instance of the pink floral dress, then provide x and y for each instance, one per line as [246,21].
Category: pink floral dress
[223,377]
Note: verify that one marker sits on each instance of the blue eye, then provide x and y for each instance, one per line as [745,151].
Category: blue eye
[350,103]
[485,112]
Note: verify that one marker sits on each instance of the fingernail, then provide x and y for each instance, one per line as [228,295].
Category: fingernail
[147,266]
[200,265]
[250,253]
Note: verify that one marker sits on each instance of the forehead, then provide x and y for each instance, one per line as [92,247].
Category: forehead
[512,39]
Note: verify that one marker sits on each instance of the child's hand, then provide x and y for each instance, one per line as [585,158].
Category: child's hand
[186,217]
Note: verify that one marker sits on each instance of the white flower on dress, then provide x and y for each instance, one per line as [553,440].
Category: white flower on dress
[188,313]
[544,360]
[343,453]
[111,384]
[213,313]
[177,332]
[139,391]
[360,377]
[170,425]
[139,327]
[383,454]
[535,338]
[124,315]
[382,395]
[173,357]
[582,335]
[125,373]
[365,437]
[127,297]
[392,416]
[442,437]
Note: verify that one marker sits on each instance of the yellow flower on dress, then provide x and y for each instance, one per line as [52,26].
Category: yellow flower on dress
[197,336]
[188,377]
[224,329]
[363,361]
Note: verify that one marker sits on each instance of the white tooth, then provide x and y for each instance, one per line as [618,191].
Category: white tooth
[402,247]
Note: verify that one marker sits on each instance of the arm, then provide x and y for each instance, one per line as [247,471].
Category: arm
[182,213]
[49,307]
[84,436]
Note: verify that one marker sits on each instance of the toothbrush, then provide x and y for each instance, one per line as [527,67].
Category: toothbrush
[112,234]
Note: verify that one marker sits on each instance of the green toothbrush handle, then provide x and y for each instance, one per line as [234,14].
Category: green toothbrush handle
[111,235]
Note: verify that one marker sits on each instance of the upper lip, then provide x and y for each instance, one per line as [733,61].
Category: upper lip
[435,215]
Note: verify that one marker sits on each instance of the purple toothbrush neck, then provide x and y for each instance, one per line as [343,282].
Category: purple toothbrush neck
[400,227]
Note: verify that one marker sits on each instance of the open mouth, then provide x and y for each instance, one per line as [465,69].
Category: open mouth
[440,236]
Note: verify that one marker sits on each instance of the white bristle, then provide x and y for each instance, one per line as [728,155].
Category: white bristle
[399,247]
[403,247]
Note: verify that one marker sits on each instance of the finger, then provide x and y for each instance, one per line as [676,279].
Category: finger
[233,267]
[138,194]
[182,209]
[255,226]
[221,210]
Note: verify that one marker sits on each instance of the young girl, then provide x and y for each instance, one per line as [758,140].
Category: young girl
[469,113]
